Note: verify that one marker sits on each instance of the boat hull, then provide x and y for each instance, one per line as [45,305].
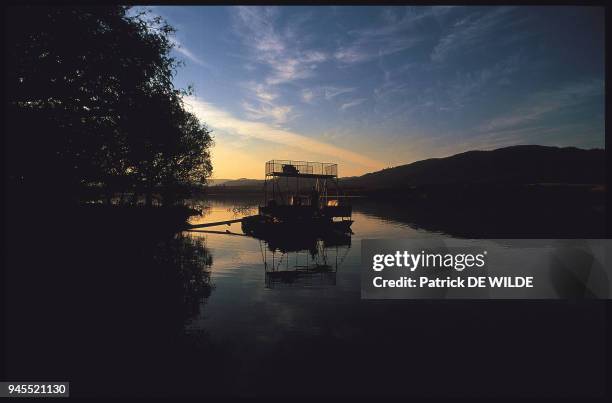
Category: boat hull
[297,234]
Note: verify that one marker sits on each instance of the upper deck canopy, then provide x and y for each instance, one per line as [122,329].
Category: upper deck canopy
[302,169]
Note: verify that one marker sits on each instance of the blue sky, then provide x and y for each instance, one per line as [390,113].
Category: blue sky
[373,87]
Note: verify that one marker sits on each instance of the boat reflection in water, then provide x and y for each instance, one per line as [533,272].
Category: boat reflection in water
[306,258]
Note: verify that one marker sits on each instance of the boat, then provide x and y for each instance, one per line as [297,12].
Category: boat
[301,198]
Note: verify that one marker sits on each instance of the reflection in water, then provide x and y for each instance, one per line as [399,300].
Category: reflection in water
[305,258]
[102,298]
[277,318]
[242,210]
[555,219]
[192,261]
[196,314]
[315,266]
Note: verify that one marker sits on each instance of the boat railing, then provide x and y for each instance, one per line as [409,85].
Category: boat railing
[301,168]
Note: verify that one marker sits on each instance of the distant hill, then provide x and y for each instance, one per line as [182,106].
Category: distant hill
[216,182]
[522,164]
[242,182]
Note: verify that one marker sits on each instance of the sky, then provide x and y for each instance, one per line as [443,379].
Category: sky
[373,87]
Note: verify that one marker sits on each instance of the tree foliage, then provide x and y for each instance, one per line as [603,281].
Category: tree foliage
[91,104]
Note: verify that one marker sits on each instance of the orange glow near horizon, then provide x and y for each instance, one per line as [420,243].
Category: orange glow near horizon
[242,146]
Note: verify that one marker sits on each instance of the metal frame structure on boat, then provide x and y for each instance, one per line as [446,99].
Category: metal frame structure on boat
[318,176]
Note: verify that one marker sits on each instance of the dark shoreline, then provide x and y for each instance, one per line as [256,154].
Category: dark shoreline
[480,210]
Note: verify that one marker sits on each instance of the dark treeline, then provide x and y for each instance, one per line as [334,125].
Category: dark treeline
[92,111]
[98,290]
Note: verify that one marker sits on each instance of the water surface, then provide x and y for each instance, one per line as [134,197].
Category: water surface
[315,335]
[95,302]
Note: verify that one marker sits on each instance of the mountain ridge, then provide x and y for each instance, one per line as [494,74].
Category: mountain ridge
[518,164]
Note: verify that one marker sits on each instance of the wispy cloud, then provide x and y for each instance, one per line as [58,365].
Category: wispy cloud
[366,48]
[472,31]
[281,52]
[264,104]
[308,95]
[220,120]
[332,92]
[352,103]
[539,104]
[278,114]
[466,88]
[397,95]
[183,50]
[261,92]
[394,33]
[326,92]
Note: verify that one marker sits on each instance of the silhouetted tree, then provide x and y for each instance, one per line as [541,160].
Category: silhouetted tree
[171,148]
[91,104]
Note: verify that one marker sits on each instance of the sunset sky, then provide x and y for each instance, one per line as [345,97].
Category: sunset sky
[374,87]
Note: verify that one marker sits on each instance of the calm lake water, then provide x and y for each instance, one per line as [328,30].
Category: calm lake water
[312,334]
[121,310]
